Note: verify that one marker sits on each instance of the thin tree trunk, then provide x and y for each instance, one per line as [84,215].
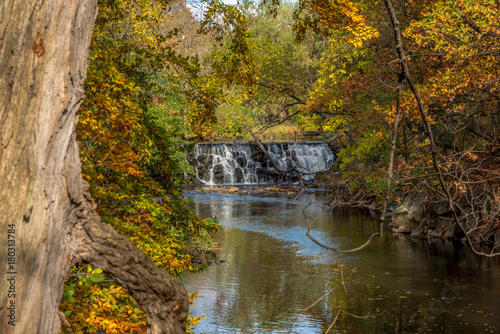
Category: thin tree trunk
[393,150]
[263,149]
[47,220]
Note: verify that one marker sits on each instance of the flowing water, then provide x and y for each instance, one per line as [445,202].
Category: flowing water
[244,163]
[273,273]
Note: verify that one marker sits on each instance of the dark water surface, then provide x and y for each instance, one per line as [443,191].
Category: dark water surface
[273,271]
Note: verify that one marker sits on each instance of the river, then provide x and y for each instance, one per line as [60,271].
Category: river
[272,273]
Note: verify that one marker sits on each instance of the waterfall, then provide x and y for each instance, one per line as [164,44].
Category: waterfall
[244,163]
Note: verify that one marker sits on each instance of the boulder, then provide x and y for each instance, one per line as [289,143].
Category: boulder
[439,208]
[497,240]
[433,226]
[238,175]
[219,174]
[242,161]
[202,159]
[257,154]
[436,233]
[450,232]
[330,179]
[191,159]
[408,216]
[204,174]
[421,230]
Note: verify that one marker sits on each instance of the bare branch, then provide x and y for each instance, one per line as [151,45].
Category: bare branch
[308,233]
[334,321]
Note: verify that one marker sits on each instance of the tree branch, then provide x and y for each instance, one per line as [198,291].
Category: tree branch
[309,226]
[393,147]
[262,148]
[163,298]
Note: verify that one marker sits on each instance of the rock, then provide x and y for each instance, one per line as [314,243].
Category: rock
[447,226]
[203,164]
[421,230]
[202,159]
[497,240]
[267,172]
[191,159]
[331,179]
[238,175]
[436,234]
[450,232]
[439,208]
[338,141]
[408,215]
[488,227]
[219,173]
[257,154]
[210,161]
[241,161]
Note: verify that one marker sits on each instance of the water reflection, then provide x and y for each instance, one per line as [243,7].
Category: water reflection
[273,272]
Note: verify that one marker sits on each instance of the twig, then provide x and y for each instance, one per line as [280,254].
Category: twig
[307,308]
[334,320]
[364,316]
[308,233]
[393,148]
[63,318]
[343,282]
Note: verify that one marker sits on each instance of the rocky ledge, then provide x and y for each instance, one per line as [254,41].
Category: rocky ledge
[423,219]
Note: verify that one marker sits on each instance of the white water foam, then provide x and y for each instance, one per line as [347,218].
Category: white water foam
[240,163]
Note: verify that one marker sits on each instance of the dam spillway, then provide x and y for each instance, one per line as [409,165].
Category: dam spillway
[246,163]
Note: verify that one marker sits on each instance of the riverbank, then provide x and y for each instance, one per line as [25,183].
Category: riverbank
[422,215]
[250,190]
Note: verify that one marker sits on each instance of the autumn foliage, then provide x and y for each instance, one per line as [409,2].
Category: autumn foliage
[452,52]
[130,134]
[340,75]
[158,76]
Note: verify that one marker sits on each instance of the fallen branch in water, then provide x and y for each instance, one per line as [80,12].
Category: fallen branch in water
[334,321]
[308,233]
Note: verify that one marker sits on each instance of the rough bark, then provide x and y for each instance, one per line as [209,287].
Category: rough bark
[163,299]
[44,204]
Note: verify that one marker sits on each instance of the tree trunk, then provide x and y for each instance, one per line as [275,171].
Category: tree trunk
[263,149]
[47,220]
[393,149]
